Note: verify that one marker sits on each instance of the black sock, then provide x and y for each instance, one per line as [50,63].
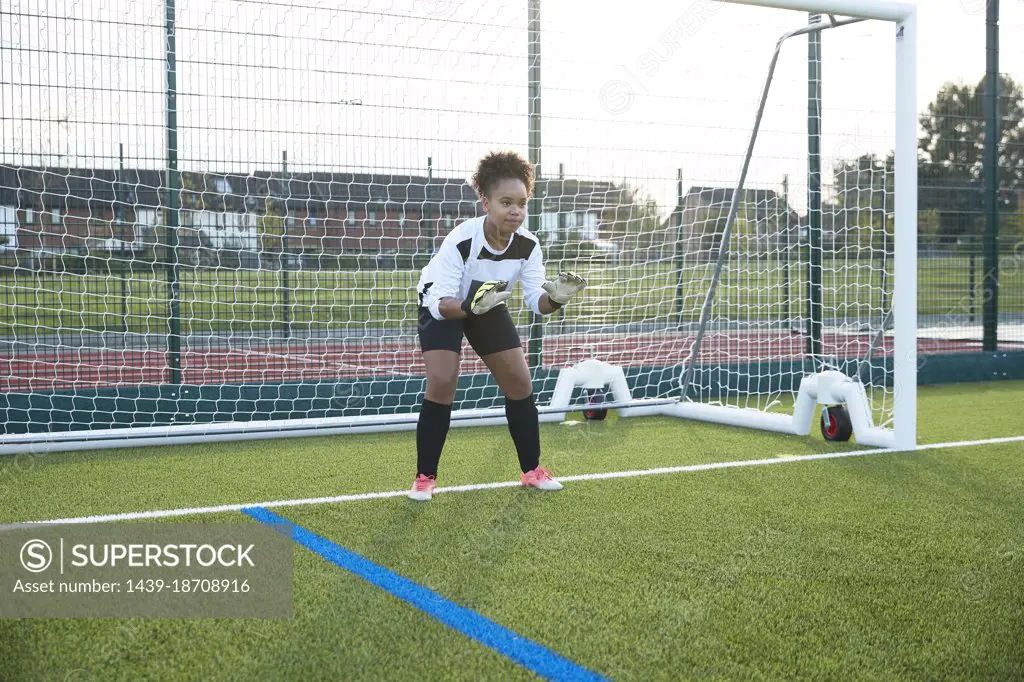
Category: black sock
[525,430]
[431,430]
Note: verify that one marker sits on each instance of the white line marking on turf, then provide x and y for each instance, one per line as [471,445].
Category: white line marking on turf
[168,513]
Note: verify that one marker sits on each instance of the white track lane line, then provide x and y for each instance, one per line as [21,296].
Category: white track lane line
[779,459]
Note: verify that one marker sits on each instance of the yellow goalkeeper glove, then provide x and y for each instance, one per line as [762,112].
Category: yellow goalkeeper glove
[490,295]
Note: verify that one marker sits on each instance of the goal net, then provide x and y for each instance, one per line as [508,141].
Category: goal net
[213,215]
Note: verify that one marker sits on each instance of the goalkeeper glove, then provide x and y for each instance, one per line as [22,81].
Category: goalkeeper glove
[565,287]
[490,295]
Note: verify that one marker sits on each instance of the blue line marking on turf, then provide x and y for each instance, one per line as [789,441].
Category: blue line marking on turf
[530,655]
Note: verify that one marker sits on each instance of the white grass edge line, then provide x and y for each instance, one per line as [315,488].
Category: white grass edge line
[780,459]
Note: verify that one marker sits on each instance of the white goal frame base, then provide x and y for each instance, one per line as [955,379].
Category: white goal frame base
[826,388]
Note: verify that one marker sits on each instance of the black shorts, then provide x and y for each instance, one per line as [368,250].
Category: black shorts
[492,332]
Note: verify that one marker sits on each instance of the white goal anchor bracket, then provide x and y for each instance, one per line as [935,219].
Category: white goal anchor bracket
[596,375]
[835,388]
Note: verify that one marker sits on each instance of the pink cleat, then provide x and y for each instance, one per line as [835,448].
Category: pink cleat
[422,488]
[540,478]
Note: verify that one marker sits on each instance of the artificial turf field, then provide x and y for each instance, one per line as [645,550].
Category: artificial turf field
[877,566]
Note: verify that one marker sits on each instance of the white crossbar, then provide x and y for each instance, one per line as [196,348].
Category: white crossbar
[866,9]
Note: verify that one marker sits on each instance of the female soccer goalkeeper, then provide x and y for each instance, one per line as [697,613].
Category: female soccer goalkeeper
[462,291]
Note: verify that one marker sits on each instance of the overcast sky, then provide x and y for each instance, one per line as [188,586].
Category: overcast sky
[630,91]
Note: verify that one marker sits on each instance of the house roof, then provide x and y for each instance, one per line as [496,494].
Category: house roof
[723,195]
[77,187]
[101,187]
[567,194]
[82,188]
[445,195]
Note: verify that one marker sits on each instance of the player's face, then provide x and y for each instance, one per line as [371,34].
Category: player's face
[506,204]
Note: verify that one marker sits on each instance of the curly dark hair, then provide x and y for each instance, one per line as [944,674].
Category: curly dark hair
[498,166]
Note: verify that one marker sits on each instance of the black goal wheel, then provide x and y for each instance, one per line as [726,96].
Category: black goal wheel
[595,396]
[836,424]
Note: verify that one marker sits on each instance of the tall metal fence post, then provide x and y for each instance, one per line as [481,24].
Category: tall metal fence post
[789,254]
[990,299]
[173,190]
[883,306]
[679,255]
[285,258]
[428,214]
[561,226]
[119,213]
[536,202]
[814,192]
[972,282]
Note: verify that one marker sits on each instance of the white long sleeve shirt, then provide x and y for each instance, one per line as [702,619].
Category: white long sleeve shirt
[465,261]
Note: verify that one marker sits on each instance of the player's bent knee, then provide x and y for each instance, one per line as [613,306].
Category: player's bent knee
[511,373]
[442,370]
[515,385]
[518,390]
[441,387]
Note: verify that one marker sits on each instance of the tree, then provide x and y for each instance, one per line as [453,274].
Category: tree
[952,151]
[858,215]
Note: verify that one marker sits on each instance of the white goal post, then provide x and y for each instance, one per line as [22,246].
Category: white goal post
[271,295]
[903,16]
[831,387]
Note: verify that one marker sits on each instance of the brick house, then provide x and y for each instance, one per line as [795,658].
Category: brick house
[764,220]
